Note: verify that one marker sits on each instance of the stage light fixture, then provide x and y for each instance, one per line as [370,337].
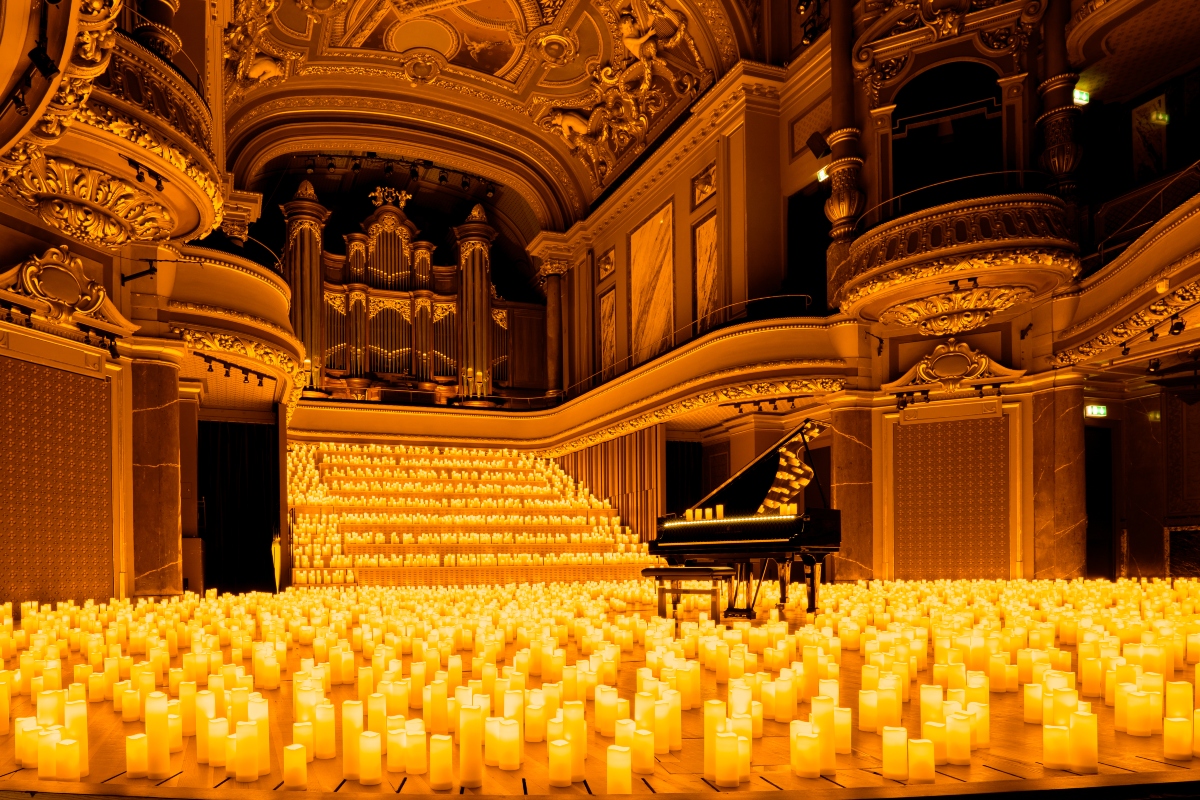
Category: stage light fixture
[1153,335]
[246,378]
[443,178]
[18,98]
[387,168]
[466,183]
[414,172]
[310,166]
[226,370]
[329,166]
[1177,325]
[260,377]
[491,190]
[356,166]
[158,183]
[902,402]
[210,363]
[42,60]
[1154,365]
[1125,349]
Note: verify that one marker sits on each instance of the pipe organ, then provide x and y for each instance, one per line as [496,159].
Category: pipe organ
[392,319]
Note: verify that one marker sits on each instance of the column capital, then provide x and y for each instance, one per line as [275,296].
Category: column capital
[551,267]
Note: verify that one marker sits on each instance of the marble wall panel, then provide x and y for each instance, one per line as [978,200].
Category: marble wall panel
[652,285]
[851,491]
[55,485]
[157,521]
[608,332]
[1182,425]
[1059,496]
[707,268]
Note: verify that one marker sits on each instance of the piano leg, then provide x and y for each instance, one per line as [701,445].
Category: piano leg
[662,596]
[810,581]
[785,577]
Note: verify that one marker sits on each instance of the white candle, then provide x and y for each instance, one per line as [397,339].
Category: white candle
[920,761]
[416,759]
[76,722]
[643,752]
[1056,747]
[895,753]
[370,758]
[324,732]
[1177,738]
[157,736]
[245,766]
[295,765]
[47,761]
[714,718]
[575,732]
[509,741]
[805,750]
[727,760]
[470,746]
[302,734]
[441,762]
[66,754]
[1083,741]
[352,729]
[620,765]
[560,763]
[958,738]
[135,755]
[842,731]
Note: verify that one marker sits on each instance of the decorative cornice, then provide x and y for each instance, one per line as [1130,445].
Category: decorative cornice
[239,316]
[253,349]
[954,312]
[1156,313]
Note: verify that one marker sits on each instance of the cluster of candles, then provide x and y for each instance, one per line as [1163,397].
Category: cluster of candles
[322,533]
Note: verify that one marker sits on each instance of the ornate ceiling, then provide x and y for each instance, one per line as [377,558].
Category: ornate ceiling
[550,98]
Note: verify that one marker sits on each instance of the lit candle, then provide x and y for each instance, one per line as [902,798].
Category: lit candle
[560,763]
[823,719]
[805,750]
[302,734]
[958,738]
[470,746]
[575,732]
[931,703]
[509,740]
[1138,712]
[727,760]
[920,761]
[620,766]
[1056,747]
[245,766]
[1033,703]
[441,761]
[187,707]
[157,736]
[369,757]
[295,765]
[66,755]
[1178,701]
[895,753]
[76,722]
[324,731]
[606,710]
[714,720]
[47,762]
[1083,742]
[1177,738]
[842,731]
[135,755]
[416,759]
[868,706]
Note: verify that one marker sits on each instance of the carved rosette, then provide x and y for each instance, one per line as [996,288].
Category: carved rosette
[81,202]
[953,312]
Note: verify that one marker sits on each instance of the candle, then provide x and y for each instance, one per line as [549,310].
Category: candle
[1033,703]
[714,720]
[920,761]
[369,757]
[470,746]
[727,760]
[1179,699]
[377,716]
[131,705]
[606,710]
[324,732]
[416,760]
[868,706]
[509,740]
[295,765]
[206,710]
[841,731]
[76,723]
[187,707]
[302,734]
[245,766]
[441,758]
[958,738]
[662,726]
[575,732]
[931,703]
[805,750]
[157,736]
[1056,749]
[1177,738]
[135,755]
[823,719]
[620,766]
[491,740]
[66,755]
[1083,742]
[47,762]
[560,763]
[1138,713]
[895,753]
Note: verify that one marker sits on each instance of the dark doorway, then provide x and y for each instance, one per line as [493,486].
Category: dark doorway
[239,486]
[685,475]
[807,240]
[1098,478]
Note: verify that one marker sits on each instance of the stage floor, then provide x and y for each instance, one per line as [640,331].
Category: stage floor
[1011,763]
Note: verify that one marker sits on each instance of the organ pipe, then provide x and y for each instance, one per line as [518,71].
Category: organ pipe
[305,219]
[475,305]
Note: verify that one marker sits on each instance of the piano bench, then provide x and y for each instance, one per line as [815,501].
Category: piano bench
[668,577]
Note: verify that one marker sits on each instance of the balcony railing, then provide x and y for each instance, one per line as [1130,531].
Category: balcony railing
[1119,222]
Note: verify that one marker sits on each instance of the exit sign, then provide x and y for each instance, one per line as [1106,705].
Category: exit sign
[1095,411]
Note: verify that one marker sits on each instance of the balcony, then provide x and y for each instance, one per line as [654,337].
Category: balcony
[123,153]
[952,267]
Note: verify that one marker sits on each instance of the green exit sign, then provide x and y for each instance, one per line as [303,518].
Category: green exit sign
[1095,411]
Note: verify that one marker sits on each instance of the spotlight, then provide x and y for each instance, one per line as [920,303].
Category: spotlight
[356,166]
[41,59]
[1125,349]
[387,168]
[141,176]
[209,362]
[466,183]
[818,144]
[329,166]
[226,370]
[1177,325]
[443,178]
[491,191]
[246,377]
[18,99]
[902,402]
[260,377]
[310,166]
[158,183]
[1153,366]
[1153,335]
[414,172]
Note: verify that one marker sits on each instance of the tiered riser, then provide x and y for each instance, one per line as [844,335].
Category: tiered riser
[412,517]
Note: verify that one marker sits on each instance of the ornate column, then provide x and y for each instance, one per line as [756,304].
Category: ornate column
[153,28]
[846,201]
[157,520]
[550,279]
[474,305]
[1061,152]
[305,219]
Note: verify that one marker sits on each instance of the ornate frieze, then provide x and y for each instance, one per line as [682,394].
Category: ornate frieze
[949,313]
[252,349]
[1157,313]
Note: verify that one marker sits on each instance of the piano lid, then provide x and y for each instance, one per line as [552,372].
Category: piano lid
[777,476]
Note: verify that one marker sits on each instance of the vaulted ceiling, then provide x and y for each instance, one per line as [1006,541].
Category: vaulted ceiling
[550,99]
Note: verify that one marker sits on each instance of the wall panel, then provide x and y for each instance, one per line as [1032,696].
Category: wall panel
[629,471]
[55,484]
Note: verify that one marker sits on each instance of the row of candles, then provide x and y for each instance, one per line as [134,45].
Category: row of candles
[499,560]
[528,475]
[539,539]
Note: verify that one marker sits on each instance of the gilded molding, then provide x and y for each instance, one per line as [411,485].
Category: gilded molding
[1156,313]
[63,269]
[953,312]
[239,316]
[265,354]
[336,301]
[401,305]
[500,317]
[443,310]
[950,365]
[81,202]
[1145,285]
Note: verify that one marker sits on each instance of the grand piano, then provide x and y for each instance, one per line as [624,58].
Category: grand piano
[754,520]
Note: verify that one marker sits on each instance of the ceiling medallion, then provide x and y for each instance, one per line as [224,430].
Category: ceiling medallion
[556,47]
[81,202]
[628,95]
[953,312]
